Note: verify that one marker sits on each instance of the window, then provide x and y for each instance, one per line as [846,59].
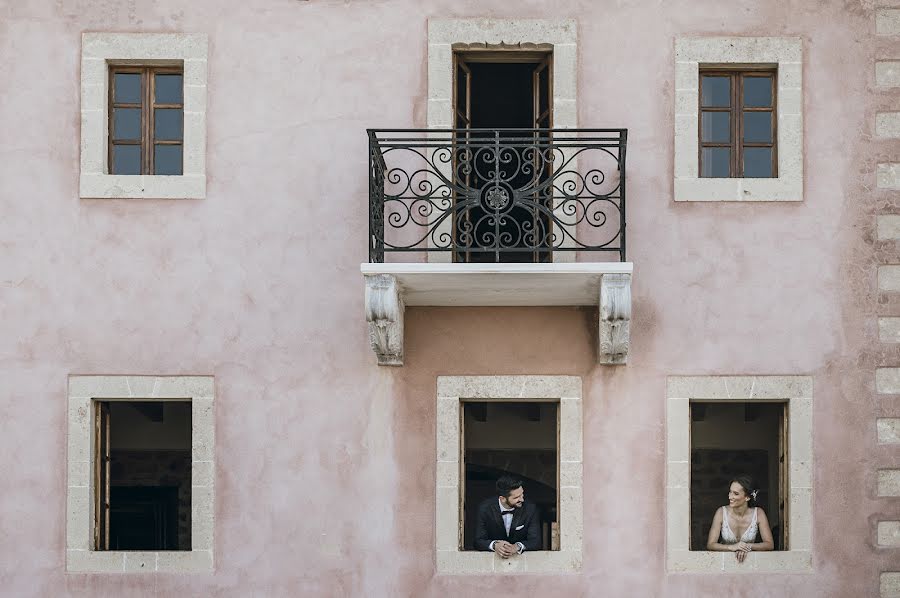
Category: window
[507,90]
[450,38]
[141,474]
[718,424]
[737,124]
[146,120]
[517,439]
[143,116]
[468,450]
[733,439]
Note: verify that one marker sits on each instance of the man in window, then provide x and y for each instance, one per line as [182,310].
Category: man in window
[506,525]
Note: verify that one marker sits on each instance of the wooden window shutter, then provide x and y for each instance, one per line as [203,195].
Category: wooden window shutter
[101,476]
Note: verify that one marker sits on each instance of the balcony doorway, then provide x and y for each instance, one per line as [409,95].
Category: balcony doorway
[503,108]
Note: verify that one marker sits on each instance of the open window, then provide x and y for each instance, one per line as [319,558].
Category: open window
[503,106]
[520,439]
[734,438]
[142,475]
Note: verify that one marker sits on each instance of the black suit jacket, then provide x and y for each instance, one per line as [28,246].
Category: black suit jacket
[525,527]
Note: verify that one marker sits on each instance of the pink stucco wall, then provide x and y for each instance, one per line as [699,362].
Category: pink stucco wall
[325,481]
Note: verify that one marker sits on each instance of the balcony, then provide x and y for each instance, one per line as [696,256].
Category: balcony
[497,217]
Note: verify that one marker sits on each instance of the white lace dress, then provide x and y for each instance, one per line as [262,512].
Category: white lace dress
[728,536]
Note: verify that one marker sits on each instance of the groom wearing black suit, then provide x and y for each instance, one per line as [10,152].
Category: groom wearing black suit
[506,525]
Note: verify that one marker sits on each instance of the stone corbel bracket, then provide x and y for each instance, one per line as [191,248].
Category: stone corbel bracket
[384,313]
[615,318]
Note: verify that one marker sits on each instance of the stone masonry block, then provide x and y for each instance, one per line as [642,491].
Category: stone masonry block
[889,585]
[570,430]
[887,125]
[89,561]
[887,73]
[888,430]
[888,533]
[140,562]
[678,518]
[195,561]
[889,330]
[888,227]
[889,278]
[887,380]
[448,430]
[509,387]
[887,21]
[440,71]
[678,430]
[887,175]
[889,482]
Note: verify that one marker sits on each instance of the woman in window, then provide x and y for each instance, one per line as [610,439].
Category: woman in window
[736,526]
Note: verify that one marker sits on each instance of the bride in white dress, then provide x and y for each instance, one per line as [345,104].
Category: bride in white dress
[736,526]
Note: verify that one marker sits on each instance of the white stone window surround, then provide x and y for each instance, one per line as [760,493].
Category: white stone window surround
[447,35]
[450,390]
[98,52]
[797,391]
[694,53]
[83,393]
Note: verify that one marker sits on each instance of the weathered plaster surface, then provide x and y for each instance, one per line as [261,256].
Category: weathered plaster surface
[258,285]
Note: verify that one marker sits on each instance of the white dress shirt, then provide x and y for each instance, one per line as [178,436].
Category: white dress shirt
[507,516]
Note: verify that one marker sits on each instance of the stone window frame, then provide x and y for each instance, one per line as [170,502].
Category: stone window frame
[694,53]
[797,392]
[451,391]
[445,36]
[83,393]
[98,51]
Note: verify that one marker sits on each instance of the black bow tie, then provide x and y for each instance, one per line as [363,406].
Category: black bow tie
[510,512]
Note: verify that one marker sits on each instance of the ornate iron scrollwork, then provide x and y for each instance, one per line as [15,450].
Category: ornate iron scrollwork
[496,193]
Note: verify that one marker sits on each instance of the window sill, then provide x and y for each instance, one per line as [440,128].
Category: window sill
[458,562]
[784,561]
[115,561]
[710,189]
[118,186]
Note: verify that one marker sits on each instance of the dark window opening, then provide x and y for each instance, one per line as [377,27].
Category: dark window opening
[511,438]
[738,124]
[738,438]
[142,475]
[511,92]
[146,120]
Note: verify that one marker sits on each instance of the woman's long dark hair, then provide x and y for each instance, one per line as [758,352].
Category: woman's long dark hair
[746,482]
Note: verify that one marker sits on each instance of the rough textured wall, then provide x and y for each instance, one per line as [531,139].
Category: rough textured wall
[325,484]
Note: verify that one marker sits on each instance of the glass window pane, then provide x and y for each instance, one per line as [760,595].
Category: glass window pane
[758,127]
[716,127]
[127,88]
[127,123]
[716,91]
[758,92]
[716,162]
[167,159]
[126,159]
[757,162]
[167,124]
[168,89]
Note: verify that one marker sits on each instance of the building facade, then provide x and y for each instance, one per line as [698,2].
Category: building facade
[286,285]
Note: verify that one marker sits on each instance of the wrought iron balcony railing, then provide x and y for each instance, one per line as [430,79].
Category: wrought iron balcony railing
[496,195]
